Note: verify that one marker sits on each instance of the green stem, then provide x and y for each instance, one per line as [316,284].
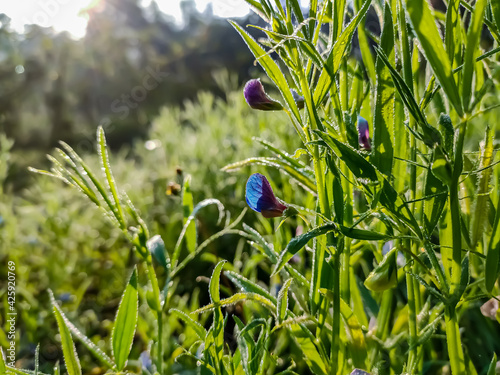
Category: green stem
[158,308]
[160,341]
[455,350]
[335,348]
[412,319]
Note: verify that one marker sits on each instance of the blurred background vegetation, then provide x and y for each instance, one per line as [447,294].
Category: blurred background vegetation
[132,61]
[169,98]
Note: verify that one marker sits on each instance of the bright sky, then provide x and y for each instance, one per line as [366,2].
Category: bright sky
[63,15]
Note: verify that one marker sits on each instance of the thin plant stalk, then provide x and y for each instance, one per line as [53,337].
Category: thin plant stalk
[455,350]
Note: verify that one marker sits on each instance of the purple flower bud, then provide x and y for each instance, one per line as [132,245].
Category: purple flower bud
[260,197]
[257,98]
[364,133]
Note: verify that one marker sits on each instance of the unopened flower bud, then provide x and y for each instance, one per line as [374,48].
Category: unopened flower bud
[260,197]
[257,98]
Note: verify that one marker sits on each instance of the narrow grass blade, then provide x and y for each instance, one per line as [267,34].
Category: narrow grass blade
[125,323]
[424,24]
[69,352]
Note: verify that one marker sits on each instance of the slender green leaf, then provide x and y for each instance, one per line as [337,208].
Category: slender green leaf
[362,234]
[214,282]
[453,31]
[493,363]
[249,286]
[480,206]
[282,305]
[472,51]
[93,348]
[103,152]
[357,344]
[237,298]
[304,176]
[200,331]
[337,53]
[69,352]
[383,124]
[425,27]
[434,205]
[313,359]
[125,322]
[364,46]
[358,165]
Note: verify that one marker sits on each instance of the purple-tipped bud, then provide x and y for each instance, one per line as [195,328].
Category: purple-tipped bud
[364,134]
[260,197]
[257,98]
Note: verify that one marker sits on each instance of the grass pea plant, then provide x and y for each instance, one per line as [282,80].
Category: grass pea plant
[380,267]
[413,186]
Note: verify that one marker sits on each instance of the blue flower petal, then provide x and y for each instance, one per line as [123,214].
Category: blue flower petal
[260,197]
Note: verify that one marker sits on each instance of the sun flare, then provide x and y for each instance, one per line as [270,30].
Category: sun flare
[62,15]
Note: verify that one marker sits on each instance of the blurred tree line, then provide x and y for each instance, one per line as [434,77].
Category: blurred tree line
[132,62]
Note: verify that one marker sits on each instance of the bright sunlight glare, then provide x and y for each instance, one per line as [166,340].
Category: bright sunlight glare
[66,15]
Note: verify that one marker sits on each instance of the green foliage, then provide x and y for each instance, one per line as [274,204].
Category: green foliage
[390,251]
